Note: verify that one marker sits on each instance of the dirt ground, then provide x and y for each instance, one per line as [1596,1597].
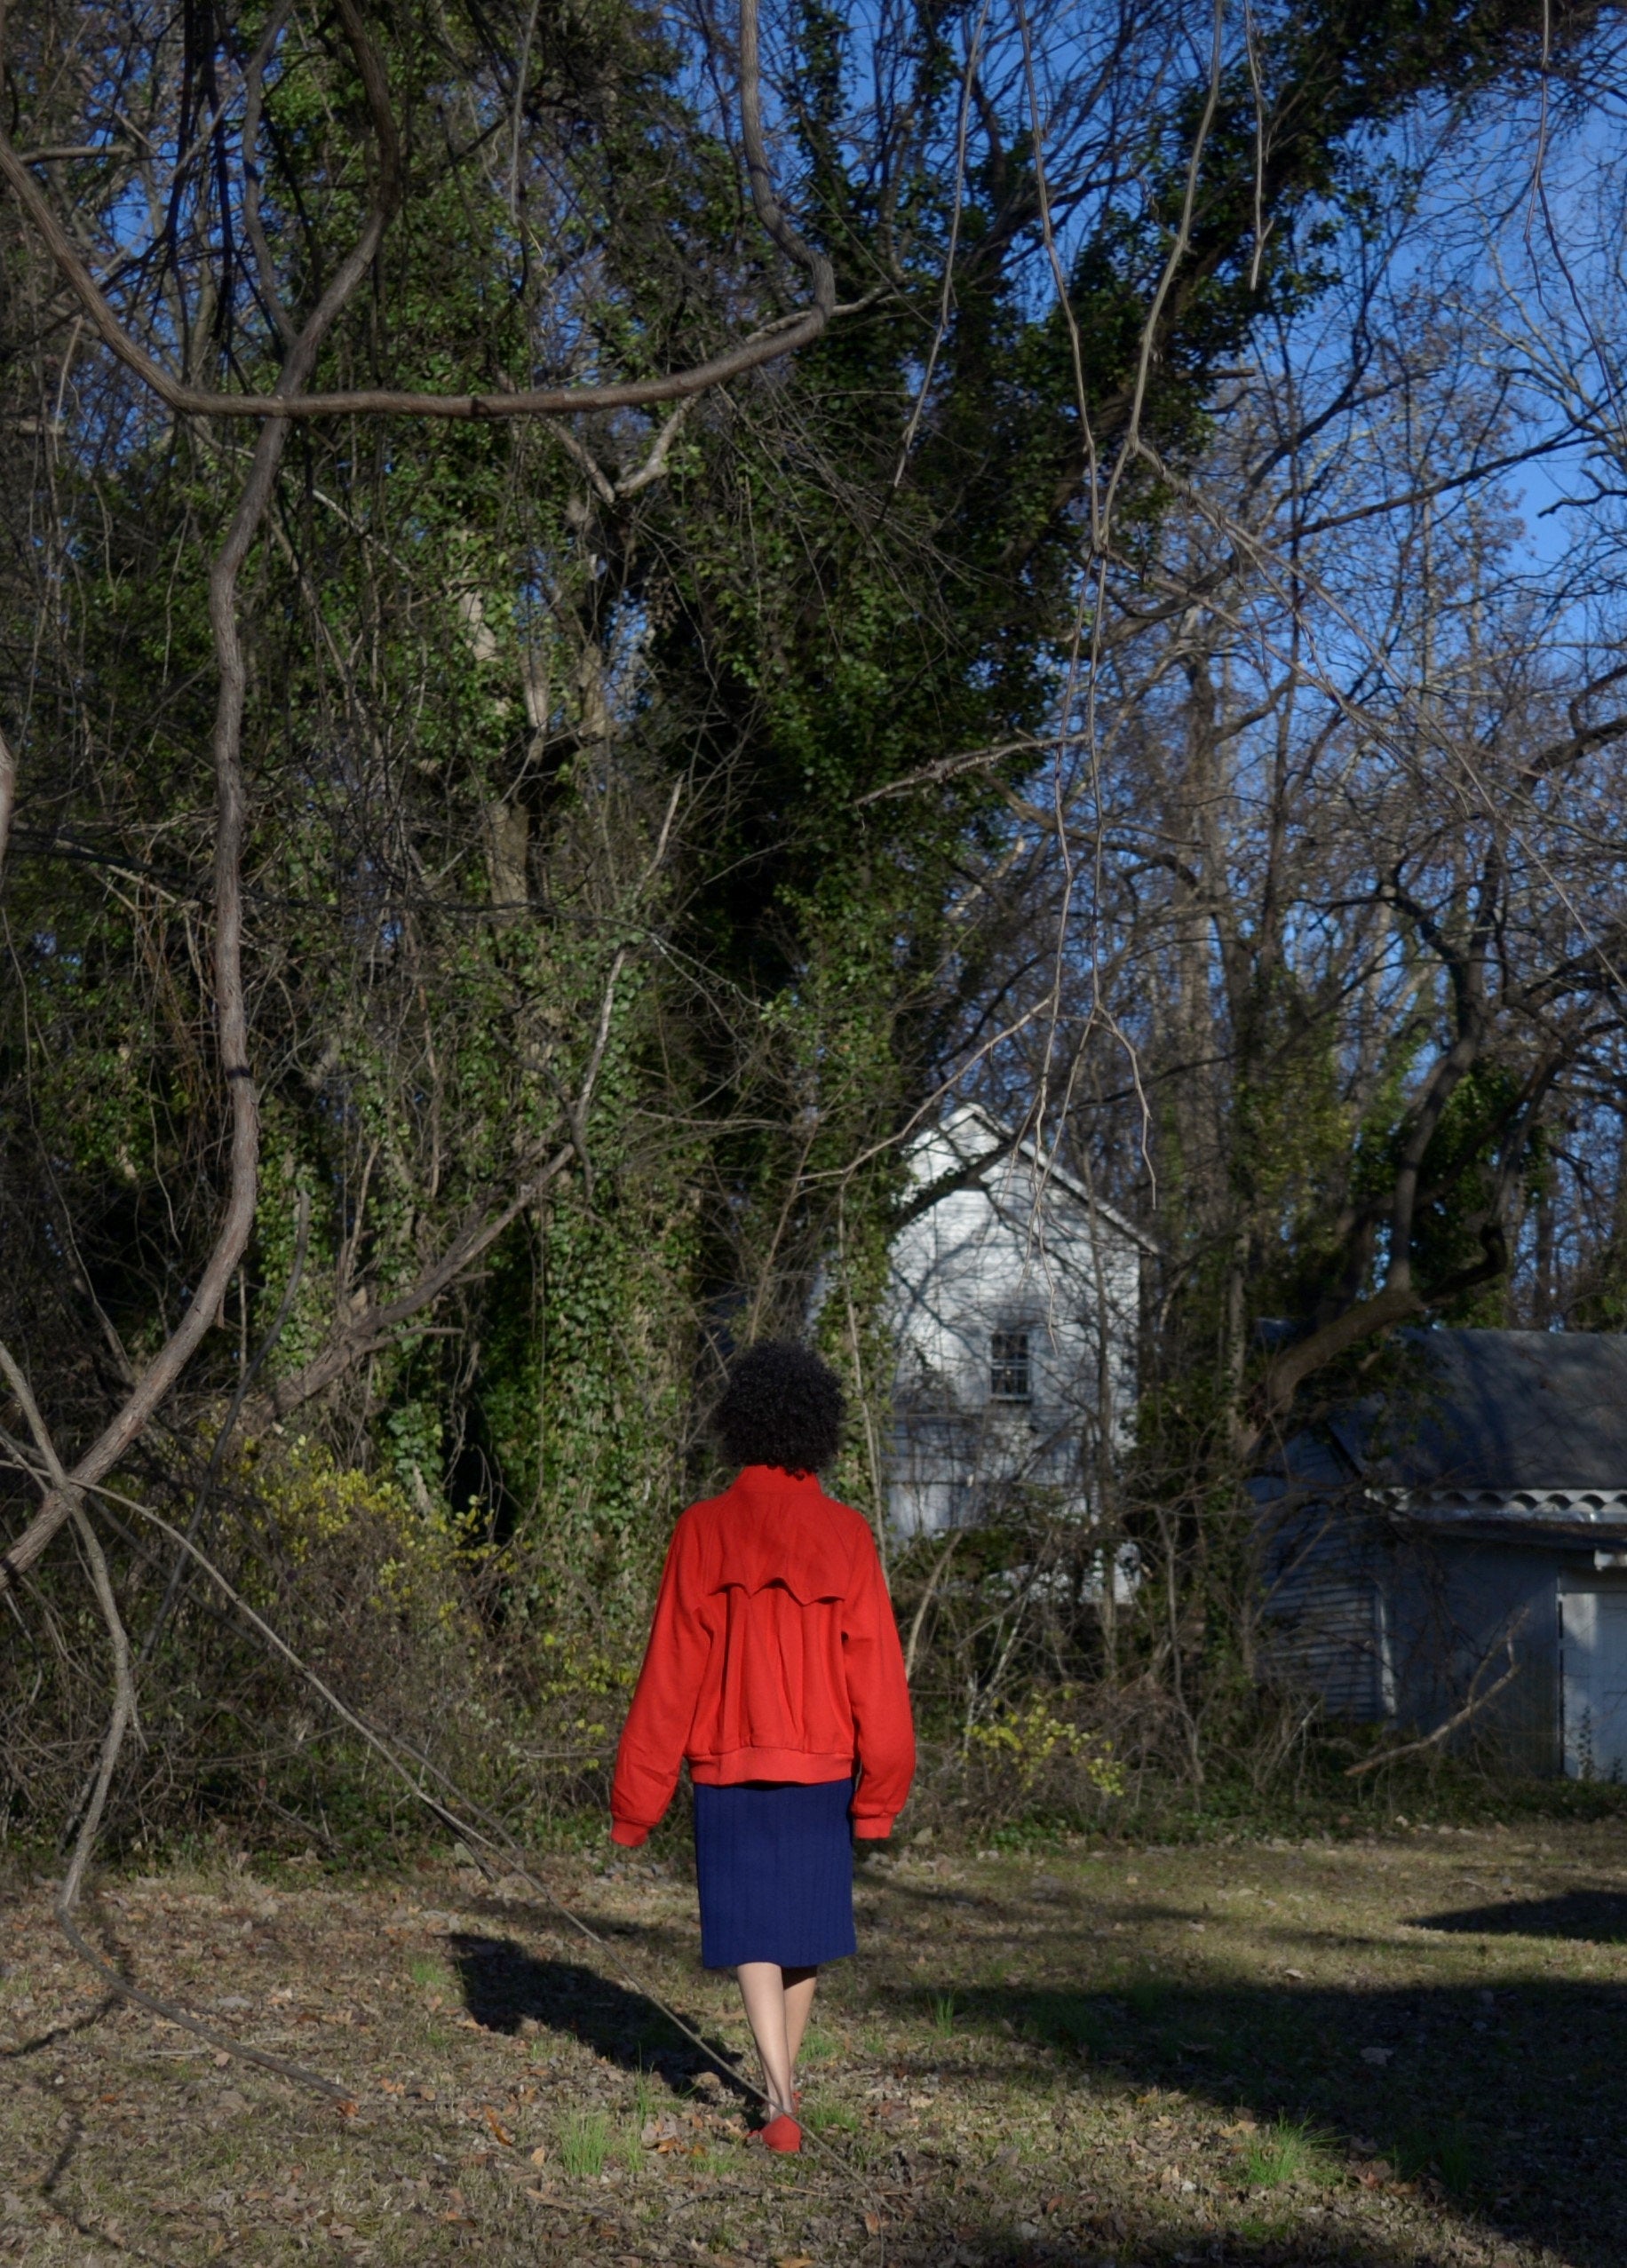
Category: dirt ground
[1404,2051]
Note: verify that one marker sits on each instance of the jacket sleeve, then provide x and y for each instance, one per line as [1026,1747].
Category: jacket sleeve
[880,1697]
[658,1726]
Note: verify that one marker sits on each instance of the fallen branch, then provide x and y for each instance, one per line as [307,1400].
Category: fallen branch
[66,1905]
[1471,1707]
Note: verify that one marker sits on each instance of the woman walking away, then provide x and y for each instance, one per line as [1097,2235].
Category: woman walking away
[773,1668]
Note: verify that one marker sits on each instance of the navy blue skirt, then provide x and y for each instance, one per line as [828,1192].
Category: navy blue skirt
[774,1867]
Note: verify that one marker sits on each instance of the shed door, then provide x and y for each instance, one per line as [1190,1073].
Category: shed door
[1594,1628]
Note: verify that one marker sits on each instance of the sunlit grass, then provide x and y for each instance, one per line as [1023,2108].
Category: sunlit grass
[1281,2152]
[584,2144]
[830,2118]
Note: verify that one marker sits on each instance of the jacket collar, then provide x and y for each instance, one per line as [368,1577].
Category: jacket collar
[767,1484]
[781,1529]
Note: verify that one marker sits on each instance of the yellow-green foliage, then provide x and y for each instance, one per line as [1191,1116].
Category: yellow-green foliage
[586,1687]
[1027,1741]
[313,1514]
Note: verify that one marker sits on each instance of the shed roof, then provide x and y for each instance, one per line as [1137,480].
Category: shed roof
[1518,1413]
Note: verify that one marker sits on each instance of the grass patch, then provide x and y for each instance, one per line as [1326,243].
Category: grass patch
[1366,2034]
[1459,2160]
[1449,2152]
[1148,1998]
[1071,2022]
[584,2144]
[1284,2152]
[830,2118]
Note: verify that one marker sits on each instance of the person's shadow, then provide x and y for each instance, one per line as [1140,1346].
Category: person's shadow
[504,1986]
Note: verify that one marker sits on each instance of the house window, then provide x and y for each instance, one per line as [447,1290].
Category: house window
[1009,1376]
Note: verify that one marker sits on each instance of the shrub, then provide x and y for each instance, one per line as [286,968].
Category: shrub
[375,1595]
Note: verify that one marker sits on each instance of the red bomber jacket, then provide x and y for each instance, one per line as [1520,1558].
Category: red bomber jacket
[773,1656]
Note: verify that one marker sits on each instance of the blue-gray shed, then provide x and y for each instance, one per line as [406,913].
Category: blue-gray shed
[1458,1543]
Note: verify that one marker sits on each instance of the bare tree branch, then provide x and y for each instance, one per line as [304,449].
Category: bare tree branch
[231,821]
[66,1905]
[291,402]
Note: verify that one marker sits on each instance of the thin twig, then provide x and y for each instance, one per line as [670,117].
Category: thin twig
[8,795]
[919,1618]
[254,81]
[1471,1707]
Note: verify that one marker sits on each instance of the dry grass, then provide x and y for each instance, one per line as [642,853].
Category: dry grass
[1402,2051]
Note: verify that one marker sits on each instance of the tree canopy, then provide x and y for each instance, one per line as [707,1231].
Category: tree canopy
[598,622]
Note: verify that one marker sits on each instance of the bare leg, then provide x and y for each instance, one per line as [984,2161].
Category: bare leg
[762,1987]
[800,1985]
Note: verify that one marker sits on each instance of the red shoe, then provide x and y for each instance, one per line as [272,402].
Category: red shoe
[783,2133]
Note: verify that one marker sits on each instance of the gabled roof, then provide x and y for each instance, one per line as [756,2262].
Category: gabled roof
[975,1134]
[1531,1414]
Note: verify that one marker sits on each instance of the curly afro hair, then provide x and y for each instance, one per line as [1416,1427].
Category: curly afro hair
[782,1406]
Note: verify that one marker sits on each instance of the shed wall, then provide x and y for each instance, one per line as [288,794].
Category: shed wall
[1386,1620]
[1455,1608]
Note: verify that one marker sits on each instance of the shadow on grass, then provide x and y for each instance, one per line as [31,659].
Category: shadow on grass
[504,1986]
[52,2036]
[1504,2104]
[1586,1917]
[1124,2242]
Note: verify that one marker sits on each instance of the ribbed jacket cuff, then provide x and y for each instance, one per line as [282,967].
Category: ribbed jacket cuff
[873,1827]
[623,1831]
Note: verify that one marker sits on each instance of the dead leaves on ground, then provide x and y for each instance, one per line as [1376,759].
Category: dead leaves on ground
[970,2134]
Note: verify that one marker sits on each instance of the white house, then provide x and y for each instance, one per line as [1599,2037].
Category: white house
[1013,1303]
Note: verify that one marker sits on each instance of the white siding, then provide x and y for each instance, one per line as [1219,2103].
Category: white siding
[1016,1262]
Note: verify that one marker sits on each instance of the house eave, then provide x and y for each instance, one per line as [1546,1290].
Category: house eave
[1002,1146]
[1556,1515]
